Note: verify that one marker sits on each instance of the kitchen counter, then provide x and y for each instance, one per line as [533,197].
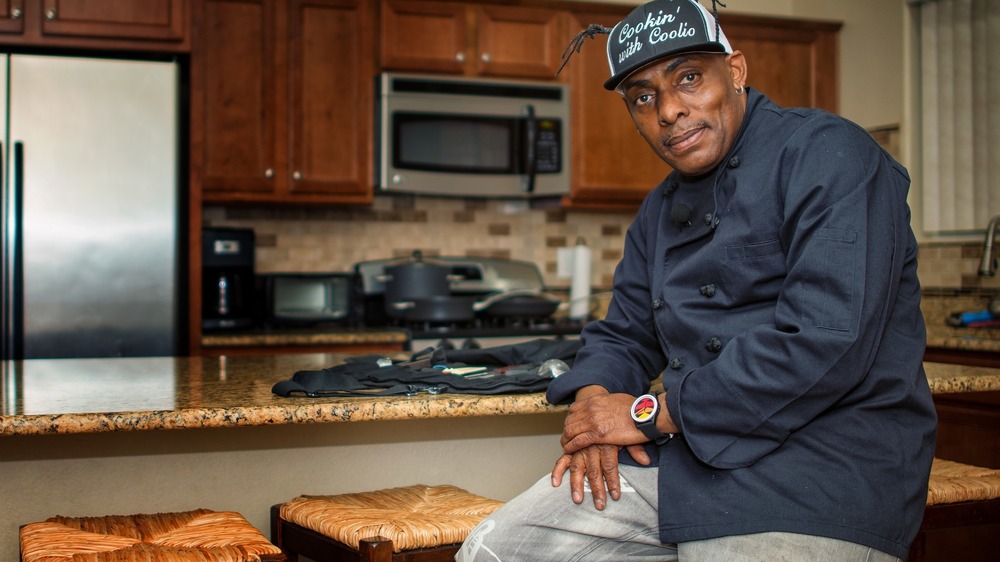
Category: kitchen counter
[974,346]
[132,394]
[135,394]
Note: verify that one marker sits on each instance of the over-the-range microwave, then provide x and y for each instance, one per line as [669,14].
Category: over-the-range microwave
[472,137]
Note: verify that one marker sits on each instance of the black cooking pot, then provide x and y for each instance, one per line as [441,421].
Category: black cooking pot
[416,279]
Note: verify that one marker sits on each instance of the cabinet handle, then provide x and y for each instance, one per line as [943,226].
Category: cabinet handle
[296,175]
[485,58]
[269,173]
[15,13]
[460,57]
[50,14]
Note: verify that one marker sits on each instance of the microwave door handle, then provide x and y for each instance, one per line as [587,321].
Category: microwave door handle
[530,135]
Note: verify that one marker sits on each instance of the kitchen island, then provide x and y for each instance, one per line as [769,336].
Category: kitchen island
[100,436]
[85,437]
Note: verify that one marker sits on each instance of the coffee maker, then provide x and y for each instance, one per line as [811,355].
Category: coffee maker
[227,278]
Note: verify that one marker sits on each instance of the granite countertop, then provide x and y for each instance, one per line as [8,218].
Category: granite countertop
[333,336]
[132,394]
[127,394]
[936,309]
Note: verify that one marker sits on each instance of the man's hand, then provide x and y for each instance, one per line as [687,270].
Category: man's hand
[599,465]
[597,461]
[601,419]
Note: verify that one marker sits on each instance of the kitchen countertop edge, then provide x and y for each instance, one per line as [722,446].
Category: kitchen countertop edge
[300,411]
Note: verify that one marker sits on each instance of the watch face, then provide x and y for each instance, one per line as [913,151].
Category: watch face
[644,408]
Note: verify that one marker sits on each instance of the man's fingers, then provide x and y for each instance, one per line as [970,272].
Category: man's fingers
[609,471]
[562,465]
[595,476]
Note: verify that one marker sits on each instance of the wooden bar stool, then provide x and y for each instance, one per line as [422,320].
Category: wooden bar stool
[414,524]
[191,536]
[958,495]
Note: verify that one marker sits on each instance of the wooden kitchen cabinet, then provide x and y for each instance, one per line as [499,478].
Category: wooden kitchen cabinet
[157,25]
[472,39]
[283,101]
[614,168]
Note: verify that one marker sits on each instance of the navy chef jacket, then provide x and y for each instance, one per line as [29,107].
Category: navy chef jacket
[778,296]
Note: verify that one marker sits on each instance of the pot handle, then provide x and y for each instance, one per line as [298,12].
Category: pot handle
[482,305]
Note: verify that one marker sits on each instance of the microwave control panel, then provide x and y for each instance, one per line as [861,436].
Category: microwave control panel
[547,146]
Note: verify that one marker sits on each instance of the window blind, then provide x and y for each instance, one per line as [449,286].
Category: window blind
[960,107]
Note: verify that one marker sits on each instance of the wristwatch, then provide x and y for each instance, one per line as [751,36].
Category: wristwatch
[644,412]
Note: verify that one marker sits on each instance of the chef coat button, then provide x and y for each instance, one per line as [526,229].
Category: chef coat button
[714,345]
[658,304]
[734,162]
[707,290]
[676,364]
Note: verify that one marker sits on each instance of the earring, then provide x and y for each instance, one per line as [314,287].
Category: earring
[740,90]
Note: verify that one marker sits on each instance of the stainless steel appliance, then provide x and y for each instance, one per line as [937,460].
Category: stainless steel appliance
[228,284]
[299,299]
[515,306]
[472,137]
[90,214]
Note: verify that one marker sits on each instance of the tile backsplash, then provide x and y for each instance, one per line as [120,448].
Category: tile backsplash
[314,239]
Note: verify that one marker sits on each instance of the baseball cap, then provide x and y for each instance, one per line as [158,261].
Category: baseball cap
[660,29]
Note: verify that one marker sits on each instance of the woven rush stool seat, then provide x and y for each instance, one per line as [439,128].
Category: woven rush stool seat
[201,535]
[958,495]
[410,523]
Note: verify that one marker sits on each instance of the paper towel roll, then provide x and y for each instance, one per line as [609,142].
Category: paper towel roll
[579,291]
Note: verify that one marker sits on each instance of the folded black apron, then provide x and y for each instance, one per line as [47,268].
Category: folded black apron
[510,369]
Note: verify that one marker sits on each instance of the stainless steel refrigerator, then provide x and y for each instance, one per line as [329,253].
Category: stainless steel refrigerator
[91,207]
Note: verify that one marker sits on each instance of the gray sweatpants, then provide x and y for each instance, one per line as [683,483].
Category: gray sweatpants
[543,523]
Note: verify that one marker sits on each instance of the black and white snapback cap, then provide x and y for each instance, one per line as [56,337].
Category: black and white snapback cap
[660,29]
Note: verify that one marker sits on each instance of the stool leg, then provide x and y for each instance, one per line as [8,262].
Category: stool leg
[276,534]
[375,549]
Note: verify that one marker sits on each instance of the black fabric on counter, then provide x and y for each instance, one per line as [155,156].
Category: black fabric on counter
[511,369]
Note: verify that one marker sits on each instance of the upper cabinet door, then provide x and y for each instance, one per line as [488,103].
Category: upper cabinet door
[331,87]
[519,42]
[160,20]
[129,25]
[11,16]
[424,36]
[286,92]
[472,39]
[807,75]
[238,80]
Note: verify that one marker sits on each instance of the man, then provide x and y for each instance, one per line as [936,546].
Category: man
[770,280]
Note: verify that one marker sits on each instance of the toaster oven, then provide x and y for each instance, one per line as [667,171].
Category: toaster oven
[298,299]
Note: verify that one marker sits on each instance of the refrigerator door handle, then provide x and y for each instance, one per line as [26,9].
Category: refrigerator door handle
[17,282]
[14,339]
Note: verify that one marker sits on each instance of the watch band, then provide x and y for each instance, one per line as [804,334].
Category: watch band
[644,412]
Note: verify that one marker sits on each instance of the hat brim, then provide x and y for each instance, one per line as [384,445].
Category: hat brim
[707,47]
